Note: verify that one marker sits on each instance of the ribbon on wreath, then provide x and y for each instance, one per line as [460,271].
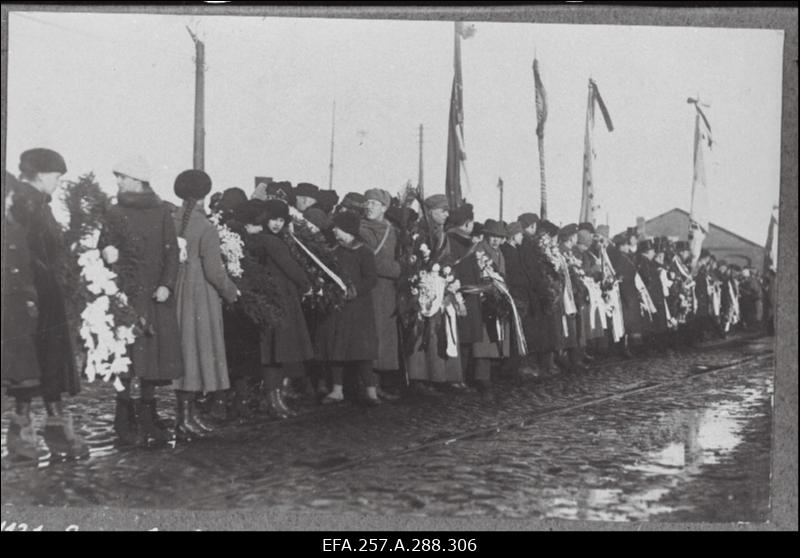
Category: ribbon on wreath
[336,279]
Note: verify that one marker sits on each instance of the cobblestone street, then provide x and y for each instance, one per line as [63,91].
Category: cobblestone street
[684,437]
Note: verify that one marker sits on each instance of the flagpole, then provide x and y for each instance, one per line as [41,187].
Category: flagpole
[541,117]
[333,129]
[586,215]
[542,180]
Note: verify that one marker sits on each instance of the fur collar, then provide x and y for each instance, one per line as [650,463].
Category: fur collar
[139,200]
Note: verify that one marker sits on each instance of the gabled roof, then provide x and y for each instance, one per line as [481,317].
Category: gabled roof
[726,231]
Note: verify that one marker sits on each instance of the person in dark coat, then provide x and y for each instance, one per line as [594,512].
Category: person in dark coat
[43,362]
[703,323]
[463,246]
[751,296]
[623,260]
[518,287]
[347,336]
[654,326]
[241,334]
[147,262]
[380,236]
[544,326]
[575,300]
[284,349]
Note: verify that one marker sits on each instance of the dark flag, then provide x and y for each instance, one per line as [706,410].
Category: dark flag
[455,137]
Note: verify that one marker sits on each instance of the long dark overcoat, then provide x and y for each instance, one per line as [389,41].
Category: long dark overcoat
[543,323]
[384,295]
[348,334]
[650,272]
[625,267]
[20,365]
[465,269]
[53,338]
[290,341]
[149,254]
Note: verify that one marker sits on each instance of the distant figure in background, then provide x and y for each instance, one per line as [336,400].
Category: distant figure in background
[37,349]
[202,280]
[752,298]
[305,196]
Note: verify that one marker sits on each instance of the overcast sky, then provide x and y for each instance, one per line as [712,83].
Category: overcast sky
[100,87]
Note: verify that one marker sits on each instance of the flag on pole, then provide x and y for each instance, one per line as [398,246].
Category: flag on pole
[699,215]
[541,118]
[456,154]
[771,249]
[589,204]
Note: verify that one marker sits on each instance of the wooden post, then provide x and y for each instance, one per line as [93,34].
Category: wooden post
[199,102]
[420,180]
[500,187]
[333,129]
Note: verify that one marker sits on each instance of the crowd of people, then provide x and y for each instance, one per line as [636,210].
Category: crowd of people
[331,301]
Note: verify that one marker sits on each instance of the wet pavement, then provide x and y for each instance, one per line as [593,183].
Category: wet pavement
[684,437]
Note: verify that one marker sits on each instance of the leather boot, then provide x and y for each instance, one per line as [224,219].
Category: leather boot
[284,407]
[125,423]
[193,419]
[147,416]
[21,440]
[59,434]
[273,405]
[185,431]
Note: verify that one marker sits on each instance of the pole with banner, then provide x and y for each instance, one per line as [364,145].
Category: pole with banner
[698,216]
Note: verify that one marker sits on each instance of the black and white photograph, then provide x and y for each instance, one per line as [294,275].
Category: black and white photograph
[391,271]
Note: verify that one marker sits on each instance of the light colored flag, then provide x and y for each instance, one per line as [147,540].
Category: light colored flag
[589,201]
[699,214]
[771,248]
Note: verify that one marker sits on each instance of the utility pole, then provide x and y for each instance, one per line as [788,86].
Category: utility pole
[420,181]
[500,187]
[199,100]
[333,129]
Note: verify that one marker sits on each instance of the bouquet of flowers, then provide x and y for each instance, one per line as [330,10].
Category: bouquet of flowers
[259,298]
[231,245]
[578,278]
[436,289]
[108,322]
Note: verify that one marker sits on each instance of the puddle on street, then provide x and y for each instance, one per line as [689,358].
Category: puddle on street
[621,460]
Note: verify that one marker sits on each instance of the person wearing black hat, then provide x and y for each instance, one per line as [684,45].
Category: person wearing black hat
[576,307]
[326,201]
[346,337]
[624,263]
[354,202]
[202,283]
[285,347]
[654,326]
[305,196]
[704,292]
[143,237]
[39,361]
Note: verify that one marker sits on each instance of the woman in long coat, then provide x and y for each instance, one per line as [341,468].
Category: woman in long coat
[347,336]
[148,267]
[284,348]
[427,359]
[202,280]
[625,266]
[37,242]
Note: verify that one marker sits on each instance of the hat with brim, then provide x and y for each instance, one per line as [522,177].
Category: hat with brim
[250,212]
[353,200]
[567,231]
[548,228]
[682,246]
[461,215]
[280,191]
[136,167]
[585,238]
[528,219]
[494,228]
[586,227]
[231,199]
[646,245]
[477,230]
[41,159]
[514,229]
[437,201]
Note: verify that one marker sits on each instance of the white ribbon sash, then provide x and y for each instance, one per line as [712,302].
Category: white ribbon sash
[322,266]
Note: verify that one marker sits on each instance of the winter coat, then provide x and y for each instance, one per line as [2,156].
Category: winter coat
[593,268]
[202,280]
[515,277]
[290,342]
[384,295]
[495,341]
[150,254]
[650,272]
[54,339]
[625,267]
[20,364]
[349,334]
[543,323]
[465,269]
